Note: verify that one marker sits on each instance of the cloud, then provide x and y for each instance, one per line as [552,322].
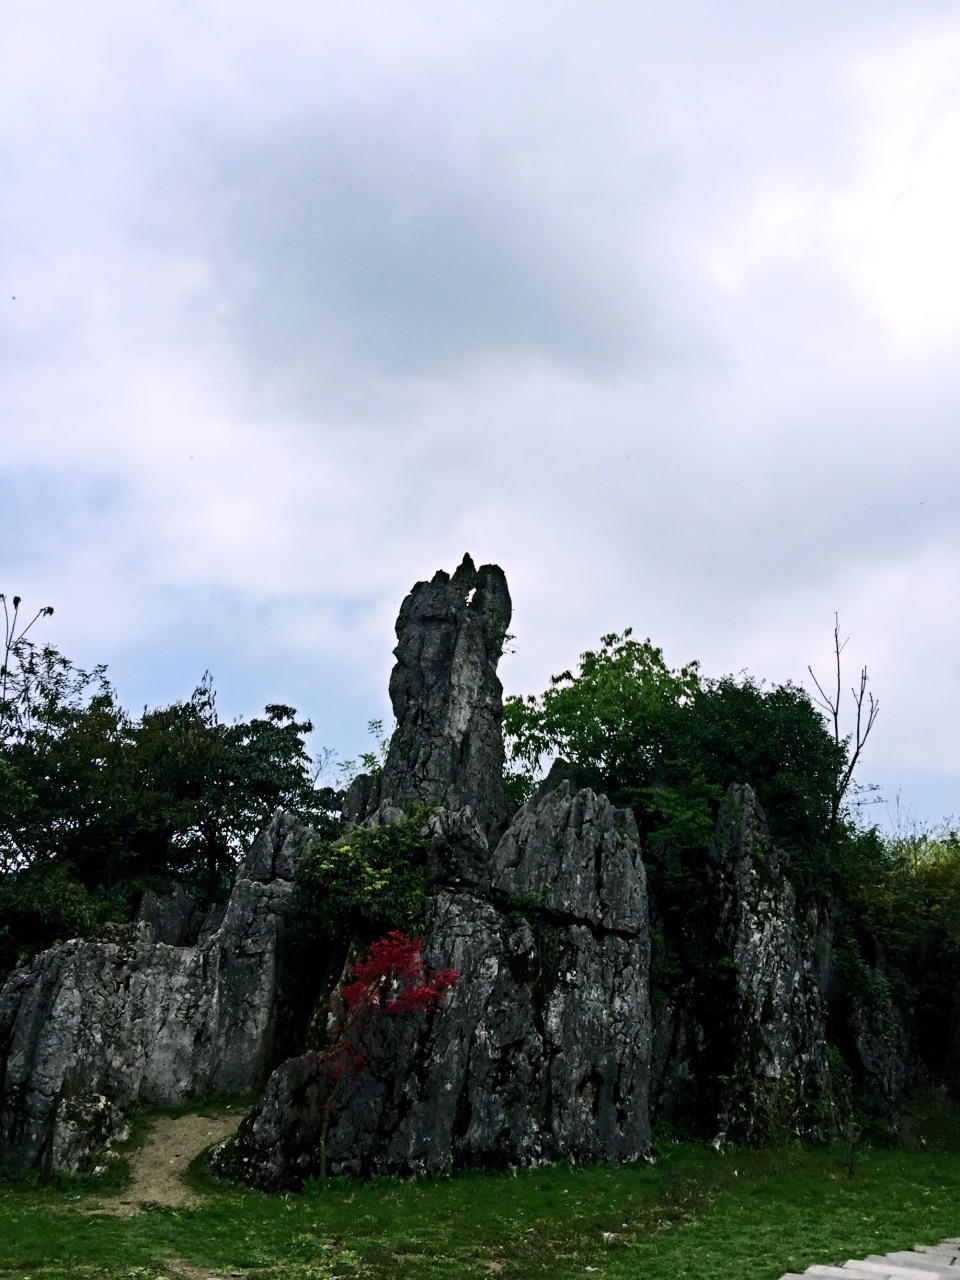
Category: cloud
[654,306]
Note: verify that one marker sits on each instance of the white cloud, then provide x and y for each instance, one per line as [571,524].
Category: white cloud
[653,307]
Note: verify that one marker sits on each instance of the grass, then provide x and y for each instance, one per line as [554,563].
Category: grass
[735,1215]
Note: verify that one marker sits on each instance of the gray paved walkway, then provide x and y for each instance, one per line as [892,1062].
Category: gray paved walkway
[925,1262]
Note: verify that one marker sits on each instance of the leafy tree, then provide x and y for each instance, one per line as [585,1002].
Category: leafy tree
[59,757]
[668,742]
[95,805]
[899,925]
[205,787]
[735,730]
[610,720]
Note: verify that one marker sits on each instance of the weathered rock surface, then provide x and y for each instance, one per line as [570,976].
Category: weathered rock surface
[447,748]
[542,1051]
[174,918]
[90,1029]
[779,1076]
[546,1047]
[881,1040]
[740,1045]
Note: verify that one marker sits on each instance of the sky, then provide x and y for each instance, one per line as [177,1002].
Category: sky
[655,305]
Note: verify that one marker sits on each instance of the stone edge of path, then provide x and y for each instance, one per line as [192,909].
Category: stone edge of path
[924,1262]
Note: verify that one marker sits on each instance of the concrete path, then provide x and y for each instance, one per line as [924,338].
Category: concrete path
[925,1262]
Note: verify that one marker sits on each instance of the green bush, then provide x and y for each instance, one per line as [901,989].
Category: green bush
[667,743]
[46,905]
[369,881]
[96,805]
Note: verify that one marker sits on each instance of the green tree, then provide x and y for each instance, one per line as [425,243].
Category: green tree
[609,720]
[95,805]
[668,742]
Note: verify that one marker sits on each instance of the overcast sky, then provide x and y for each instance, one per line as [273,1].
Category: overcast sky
[657,305]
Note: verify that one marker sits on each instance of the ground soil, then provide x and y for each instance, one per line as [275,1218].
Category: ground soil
[157,1168]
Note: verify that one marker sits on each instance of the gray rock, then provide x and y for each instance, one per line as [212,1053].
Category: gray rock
[174,918]
[577,857]
[777,1073]
[447,748]
[542,1050]
[89,1030]
[881,1038]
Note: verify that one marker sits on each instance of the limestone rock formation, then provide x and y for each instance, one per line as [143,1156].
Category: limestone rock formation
[740,1047]
[90,1029]
[540,1054]
[447,749]
[542,1051]
[778,1072]
[546,1047]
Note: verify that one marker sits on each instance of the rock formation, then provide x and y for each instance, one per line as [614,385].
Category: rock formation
[546,1048]
[777,1072]
[542,1051]
[89,1030]
[740,1043]
[447,748]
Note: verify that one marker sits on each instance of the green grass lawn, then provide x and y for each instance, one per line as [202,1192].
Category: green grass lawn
[736,1215]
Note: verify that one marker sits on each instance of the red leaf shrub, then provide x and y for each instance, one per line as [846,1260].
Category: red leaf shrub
[390,979]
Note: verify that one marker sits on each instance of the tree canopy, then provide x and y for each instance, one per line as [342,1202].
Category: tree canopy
[97,805]
[668,742]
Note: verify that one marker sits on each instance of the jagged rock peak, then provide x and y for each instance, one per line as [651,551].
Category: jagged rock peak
[778,1075]
[157,1014]
[447,748]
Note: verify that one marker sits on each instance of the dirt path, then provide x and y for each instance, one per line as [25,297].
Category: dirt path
[159,1165]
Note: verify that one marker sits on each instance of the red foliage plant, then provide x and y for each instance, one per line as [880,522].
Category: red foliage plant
[389,980]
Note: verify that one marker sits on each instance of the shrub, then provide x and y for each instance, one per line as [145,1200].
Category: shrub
[370,881]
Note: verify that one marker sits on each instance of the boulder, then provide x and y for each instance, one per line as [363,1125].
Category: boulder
[89,1030]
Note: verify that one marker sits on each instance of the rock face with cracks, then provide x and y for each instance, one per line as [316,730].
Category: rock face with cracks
[89,1030]
[545,1048]
[541,1052]
[742,1044]
[778,1077]
[447,748]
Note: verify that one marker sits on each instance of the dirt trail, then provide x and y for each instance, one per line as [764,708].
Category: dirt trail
[159,1165]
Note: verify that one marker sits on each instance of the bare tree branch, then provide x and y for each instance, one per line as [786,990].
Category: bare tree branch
[865,703]
[11,643]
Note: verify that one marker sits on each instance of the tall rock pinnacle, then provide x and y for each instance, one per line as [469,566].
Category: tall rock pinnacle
[447,748]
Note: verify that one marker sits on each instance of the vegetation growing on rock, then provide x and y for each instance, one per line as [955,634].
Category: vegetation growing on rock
[367,881]
[801,964]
